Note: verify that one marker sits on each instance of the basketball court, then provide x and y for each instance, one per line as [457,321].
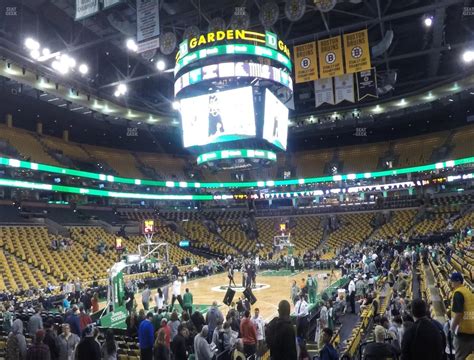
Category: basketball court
[270,289]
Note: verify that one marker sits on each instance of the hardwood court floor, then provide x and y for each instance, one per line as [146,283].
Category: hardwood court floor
[274,289]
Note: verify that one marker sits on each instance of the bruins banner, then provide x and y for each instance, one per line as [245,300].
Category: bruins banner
[356,51]
[330,57]
[366,84]
[306,66]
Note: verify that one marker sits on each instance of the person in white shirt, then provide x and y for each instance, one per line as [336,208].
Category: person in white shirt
[301,312]
[259,323]
[176,293]
[159,300]
[323,316]
[292,264]
[352,292]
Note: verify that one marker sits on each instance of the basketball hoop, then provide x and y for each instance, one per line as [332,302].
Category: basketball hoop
[148,229]
[148,238]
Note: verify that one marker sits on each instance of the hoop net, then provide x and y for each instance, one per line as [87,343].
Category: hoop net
[282,241]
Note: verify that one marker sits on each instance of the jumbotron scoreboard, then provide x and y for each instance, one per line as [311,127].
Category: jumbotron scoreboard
[232,87]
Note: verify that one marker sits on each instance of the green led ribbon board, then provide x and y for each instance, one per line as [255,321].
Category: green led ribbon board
[236,154]
[233,49]
[246,184]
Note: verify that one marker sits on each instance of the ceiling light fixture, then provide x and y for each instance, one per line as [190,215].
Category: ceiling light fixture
[428,21]
[31,44]
[160,65]
[468,56]
[132,45]
[83,69]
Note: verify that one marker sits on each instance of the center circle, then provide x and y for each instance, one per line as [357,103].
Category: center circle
[223,288]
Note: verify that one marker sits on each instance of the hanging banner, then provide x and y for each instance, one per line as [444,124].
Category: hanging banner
[330,57]
[323,92]
[366,84]
[306,66]
[356,51]
[110,3]
[148,19]
[86,8]
[344,88]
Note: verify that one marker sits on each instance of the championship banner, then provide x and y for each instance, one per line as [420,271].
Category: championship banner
[330,57]
[306,66]
[344,88]
[323,92]
[110,3]
[366,84]
[85,8]
[356,51]
[148,19]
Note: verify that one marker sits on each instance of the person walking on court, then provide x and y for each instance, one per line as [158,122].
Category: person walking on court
[230,275]
[176,294]
[312,287]
[146,294]
[294,292]
[188,301]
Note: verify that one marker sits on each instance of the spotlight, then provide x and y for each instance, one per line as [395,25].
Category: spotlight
[46,52]
[60,67]
[35,54]
[132,45]
[176,105]
[32,44]
[116,93]
[83,69]
[428,21]
[468,56]
[122,88]
[160,65]
[71,62]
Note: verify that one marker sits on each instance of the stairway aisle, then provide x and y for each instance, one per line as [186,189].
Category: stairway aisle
[437,301]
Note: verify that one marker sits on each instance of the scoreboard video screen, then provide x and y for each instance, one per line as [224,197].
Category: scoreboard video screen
[212,118]
[275,122]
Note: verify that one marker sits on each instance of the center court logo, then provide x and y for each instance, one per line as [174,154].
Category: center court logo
[223,288]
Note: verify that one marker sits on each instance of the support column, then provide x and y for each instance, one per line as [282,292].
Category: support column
[39,128]
[66,135]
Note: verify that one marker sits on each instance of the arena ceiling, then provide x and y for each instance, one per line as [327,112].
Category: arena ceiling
[420,56]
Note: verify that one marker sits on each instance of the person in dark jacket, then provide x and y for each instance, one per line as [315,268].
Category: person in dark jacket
[198,320]
[281,337]
[72,318]
[162,351]
[380,350]
[422,340]
[38,350]
[179,343]
[328,352]
[51,339]
[88,348]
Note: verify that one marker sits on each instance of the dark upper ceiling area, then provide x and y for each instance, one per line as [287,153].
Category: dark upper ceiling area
[421,56]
